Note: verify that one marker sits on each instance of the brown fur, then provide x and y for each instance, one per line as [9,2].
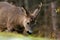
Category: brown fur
[11,15]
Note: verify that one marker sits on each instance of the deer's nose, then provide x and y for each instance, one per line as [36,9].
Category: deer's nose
[29,32]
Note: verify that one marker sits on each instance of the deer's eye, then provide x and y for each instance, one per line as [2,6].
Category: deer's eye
[28,23]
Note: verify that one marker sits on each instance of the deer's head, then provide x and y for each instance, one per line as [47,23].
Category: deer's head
[30,17]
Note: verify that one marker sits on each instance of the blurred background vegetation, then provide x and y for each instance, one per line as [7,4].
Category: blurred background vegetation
[48,20]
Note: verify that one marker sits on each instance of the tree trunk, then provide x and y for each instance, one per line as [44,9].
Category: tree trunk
[54,19]
[6,0]
[26,4]
[45,18]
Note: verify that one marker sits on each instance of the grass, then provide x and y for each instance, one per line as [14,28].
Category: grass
[15,36]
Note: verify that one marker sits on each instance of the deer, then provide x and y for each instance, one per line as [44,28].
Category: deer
[11,15]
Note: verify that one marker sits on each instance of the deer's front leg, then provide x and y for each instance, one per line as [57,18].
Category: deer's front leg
[9,27]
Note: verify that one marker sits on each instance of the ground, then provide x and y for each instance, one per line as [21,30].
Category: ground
[15,36]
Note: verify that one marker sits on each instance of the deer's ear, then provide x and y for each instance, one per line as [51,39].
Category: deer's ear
[36,11]
[26,11]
